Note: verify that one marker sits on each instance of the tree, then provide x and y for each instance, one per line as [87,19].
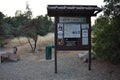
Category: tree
[107,34]
[47,24]
[28,12]
[1,22]
[110,9]
[32,29]
[22,24]
[1,28]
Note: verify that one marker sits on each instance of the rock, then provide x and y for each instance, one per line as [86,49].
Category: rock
[85,56]
[13,57]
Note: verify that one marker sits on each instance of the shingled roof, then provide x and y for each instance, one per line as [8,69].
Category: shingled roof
[73,10]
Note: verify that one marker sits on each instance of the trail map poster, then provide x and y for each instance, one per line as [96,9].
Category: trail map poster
[85,28]
[71,30]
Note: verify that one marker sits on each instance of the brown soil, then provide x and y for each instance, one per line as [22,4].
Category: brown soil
[101,70]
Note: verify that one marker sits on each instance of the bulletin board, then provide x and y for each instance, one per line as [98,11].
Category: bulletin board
[72,33]
[73,27]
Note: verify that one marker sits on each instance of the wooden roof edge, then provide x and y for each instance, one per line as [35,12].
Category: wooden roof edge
[55,9]
[72,5]
[89,7]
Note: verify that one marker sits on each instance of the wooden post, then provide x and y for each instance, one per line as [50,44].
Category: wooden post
[89,67]
[55,61]
[56,20]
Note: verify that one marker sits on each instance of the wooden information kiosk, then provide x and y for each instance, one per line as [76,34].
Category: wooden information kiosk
[72,27]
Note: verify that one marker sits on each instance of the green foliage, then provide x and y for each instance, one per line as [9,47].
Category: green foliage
[1,41]
[47,25]
[111,0]
[107,38]
[22,24]
[107,33]
[1,28]
[110,9]
[1,23]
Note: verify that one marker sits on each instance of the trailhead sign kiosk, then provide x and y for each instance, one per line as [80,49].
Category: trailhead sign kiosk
[72,27]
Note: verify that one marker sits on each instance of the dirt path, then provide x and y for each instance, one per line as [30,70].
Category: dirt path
[34,67]
[70,67]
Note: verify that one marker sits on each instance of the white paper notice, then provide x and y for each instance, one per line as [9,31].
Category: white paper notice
[60,31]
[85,26]
[71,30]
[85,33]
[85,41]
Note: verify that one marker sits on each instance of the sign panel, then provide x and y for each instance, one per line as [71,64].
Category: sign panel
[85,28]
[70,42]
[60,30]
[84,33]
[85,41]
[71,30]
[71,33]
[72,19]
[60,34]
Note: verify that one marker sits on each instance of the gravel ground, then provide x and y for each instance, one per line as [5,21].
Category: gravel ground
[70,67]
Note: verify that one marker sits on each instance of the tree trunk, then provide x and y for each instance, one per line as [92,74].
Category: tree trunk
[30,44]
[35,43]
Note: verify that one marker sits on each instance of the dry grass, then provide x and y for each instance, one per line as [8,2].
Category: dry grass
[24,47]
[46,40]
[42,41]
[23,40]
[17,42]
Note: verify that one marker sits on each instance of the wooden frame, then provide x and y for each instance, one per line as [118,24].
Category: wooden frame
[71,11]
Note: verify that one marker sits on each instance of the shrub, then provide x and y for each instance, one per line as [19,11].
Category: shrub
[107,40]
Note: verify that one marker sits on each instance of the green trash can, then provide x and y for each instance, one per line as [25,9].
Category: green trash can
[48,52]
[52,46]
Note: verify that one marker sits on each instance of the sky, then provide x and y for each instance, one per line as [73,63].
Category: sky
[39,7]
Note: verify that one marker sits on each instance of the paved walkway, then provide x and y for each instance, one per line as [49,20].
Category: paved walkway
[70,67]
